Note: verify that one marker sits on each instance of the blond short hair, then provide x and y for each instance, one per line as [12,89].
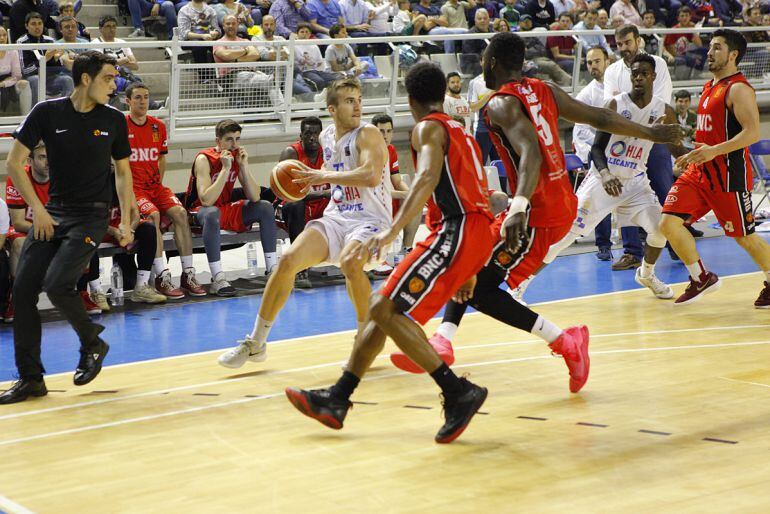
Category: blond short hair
[333,91]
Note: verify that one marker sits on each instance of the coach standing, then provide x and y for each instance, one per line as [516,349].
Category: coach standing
[81,133]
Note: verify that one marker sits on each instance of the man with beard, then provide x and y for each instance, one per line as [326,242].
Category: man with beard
[454,104]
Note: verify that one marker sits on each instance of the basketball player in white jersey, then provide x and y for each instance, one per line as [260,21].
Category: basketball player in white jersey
[356,166]
[618,178]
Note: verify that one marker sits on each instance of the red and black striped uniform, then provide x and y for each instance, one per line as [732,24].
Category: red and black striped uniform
[724,183]
[460,240]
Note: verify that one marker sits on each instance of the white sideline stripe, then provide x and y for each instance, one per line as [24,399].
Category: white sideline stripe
[744,382]
[89,428]
[12,507]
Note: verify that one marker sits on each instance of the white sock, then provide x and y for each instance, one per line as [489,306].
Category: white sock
[159,265]
[142,276]
[647,269]
[525,284]
[447,330]
[767,276]
[95,285]
[545,330]
[271,259]
[261,330]
[696,269]
[361,326]
[215,268]
[187,262]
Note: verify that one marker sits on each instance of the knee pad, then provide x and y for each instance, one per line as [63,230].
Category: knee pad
[656,239]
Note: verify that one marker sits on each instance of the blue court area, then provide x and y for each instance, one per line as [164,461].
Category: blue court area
[178,329]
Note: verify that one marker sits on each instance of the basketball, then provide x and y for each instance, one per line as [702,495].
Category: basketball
[282,181]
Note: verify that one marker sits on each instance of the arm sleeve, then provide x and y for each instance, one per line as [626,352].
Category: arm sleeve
[121,149]
[185,23]
[32,129]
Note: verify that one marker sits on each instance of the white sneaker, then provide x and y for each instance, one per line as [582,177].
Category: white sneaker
[654,284]
[145,293]
[100,299]
[220,286]
[137,33]
[518,294]
[383,270]
[248,349]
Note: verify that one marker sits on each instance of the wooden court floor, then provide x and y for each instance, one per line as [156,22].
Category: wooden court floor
[675,418]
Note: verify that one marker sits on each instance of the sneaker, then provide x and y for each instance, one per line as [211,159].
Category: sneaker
[301,281]
[320,97]
[23,389]
[441,344]
[383,270]
[572,344]
[220,286]
[91,307]
[654,284]
[8,315]
[145,293]
[627,261]
[166,287]
[320,405]
[190,284]
[518,294]
[459,411]
[694,231]
[247,350]
[100,299]
[763,302]
[138,32]
[604,253]
[708,284]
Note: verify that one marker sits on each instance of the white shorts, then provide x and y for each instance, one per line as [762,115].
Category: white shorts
[339,231]
[636,205]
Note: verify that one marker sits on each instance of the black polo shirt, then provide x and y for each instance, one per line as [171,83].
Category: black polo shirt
[79,147]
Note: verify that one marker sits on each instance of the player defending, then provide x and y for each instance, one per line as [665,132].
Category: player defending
[356,165]
[718,173]
[450,178]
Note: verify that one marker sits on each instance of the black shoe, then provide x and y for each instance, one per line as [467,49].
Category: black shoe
[694,231]
[301,281]
[320,405]
[459,411]
[91,362]
[673,255]
[23,389]
[604,253]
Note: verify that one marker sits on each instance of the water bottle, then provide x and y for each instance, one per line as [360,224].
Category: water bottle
[251,258]
[116,283]
[279,249]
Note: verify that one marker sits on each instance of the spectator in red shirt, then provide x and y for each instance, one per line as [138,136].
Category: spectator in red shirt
[562,48]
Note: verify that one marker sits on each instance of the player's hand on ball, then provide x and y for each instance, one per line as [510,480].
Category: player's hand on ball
[611,184]
[514,230]
[43,225]
[126,234]
[309,178]
[465,292]
[667,133]
[702,153]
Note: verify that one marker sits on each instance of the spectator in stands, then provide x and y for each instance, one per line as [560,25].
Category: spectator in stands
[510,14]
[143,8]
[67,8]
[470,59]
[237,9]
[724,12]
[603,19]
[58,79]
[408,23]
[562,48]
[259,9]
[108,27]
[198,22]
[454,12]
[357,17]
[341,58]
[18,17]
[69,30]
[209,198]
[685,116]
[478,95]
[309,62]
[754,19]
[380,13]
[492,8]
[651,44]
[12,83]
[686,48]
[537,52]
[288,14]
[454,104]
[279,52]
[541,12]
[590,23]
[626,10]
[296,214]
[564,6]
[323,15]
[500,25]
[436,23]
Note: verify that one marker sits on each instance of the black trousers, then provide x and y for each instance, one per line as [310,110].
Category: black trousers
[293,214]
[54,267]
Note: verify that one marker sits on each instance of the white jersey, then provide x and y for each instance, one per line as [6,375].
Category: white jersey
[627,156]
[458,107]
[351,202]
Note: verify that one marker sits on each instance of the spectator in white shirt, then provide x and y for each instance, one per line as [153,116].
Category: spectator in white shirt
[341,58]
[560,6]
[380,13]
[454,104]
[310,63]
[406,22]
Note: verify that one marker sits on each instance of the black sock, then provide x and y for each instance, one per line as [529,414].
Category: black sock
[493,301]
[345,386]
[447,380]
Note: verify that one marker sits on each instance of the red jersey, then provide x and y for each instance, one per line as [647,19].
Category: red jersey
[553,204]
[462,188]
[316,165]
[148,142]
[716,124]
[16,201]
[215,165]
[393,160]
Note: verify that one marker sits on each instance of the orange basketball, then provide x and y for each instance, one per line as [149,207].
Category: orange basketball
[282,181]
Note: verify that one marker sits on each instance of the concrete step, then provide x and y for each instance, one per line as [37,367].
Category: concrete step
[90,14]
[157,82]
[155,67]
[149,54]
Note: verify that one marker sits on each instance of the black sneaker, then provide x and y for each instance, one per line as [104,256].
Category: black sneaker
[23,389]
[459,411]
[320,405]
[301,281]
[694,231]
[91,362]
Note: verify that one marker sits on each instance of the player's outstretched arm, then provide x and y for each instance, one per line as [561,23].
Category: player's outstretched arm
[611,121]
[677,150]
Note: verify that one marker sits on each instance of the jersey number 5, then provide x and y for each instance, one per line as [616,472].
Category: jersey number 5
[543,130]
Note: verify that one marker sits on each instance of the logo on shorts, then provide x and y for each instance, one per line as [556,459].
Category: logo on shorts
[671,199]
[416,285]
[504,258]
[674,189]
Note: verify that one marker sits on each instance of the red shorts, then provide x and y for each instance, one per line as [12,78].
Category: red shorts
[692,196]
[315,208]
[231,217]
[431,273]
[519,266]
[396,206]
[156,199]
[12,234]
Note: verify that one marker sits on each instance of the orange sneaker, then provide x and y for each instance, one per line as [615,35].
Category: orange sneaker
[441,344]
[573,346]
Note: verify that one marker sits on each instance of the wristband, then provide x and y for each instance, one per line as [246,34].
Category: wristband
[518,204]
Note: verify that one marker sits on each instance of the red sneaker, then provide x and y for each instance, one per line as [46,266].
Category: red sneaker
[166,287]
[190,284]
[91,307]
[441,344]
[763,302]
[573,346]
[708,283]
[8,315]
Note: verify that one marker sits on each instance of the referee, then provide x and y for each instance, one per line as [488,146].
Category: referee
[81,133]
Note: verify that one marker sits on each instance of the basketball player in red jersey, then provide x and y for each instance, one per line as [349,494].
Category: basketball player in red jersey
[523,118]
[451,180]
[147,137]
[718,173]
